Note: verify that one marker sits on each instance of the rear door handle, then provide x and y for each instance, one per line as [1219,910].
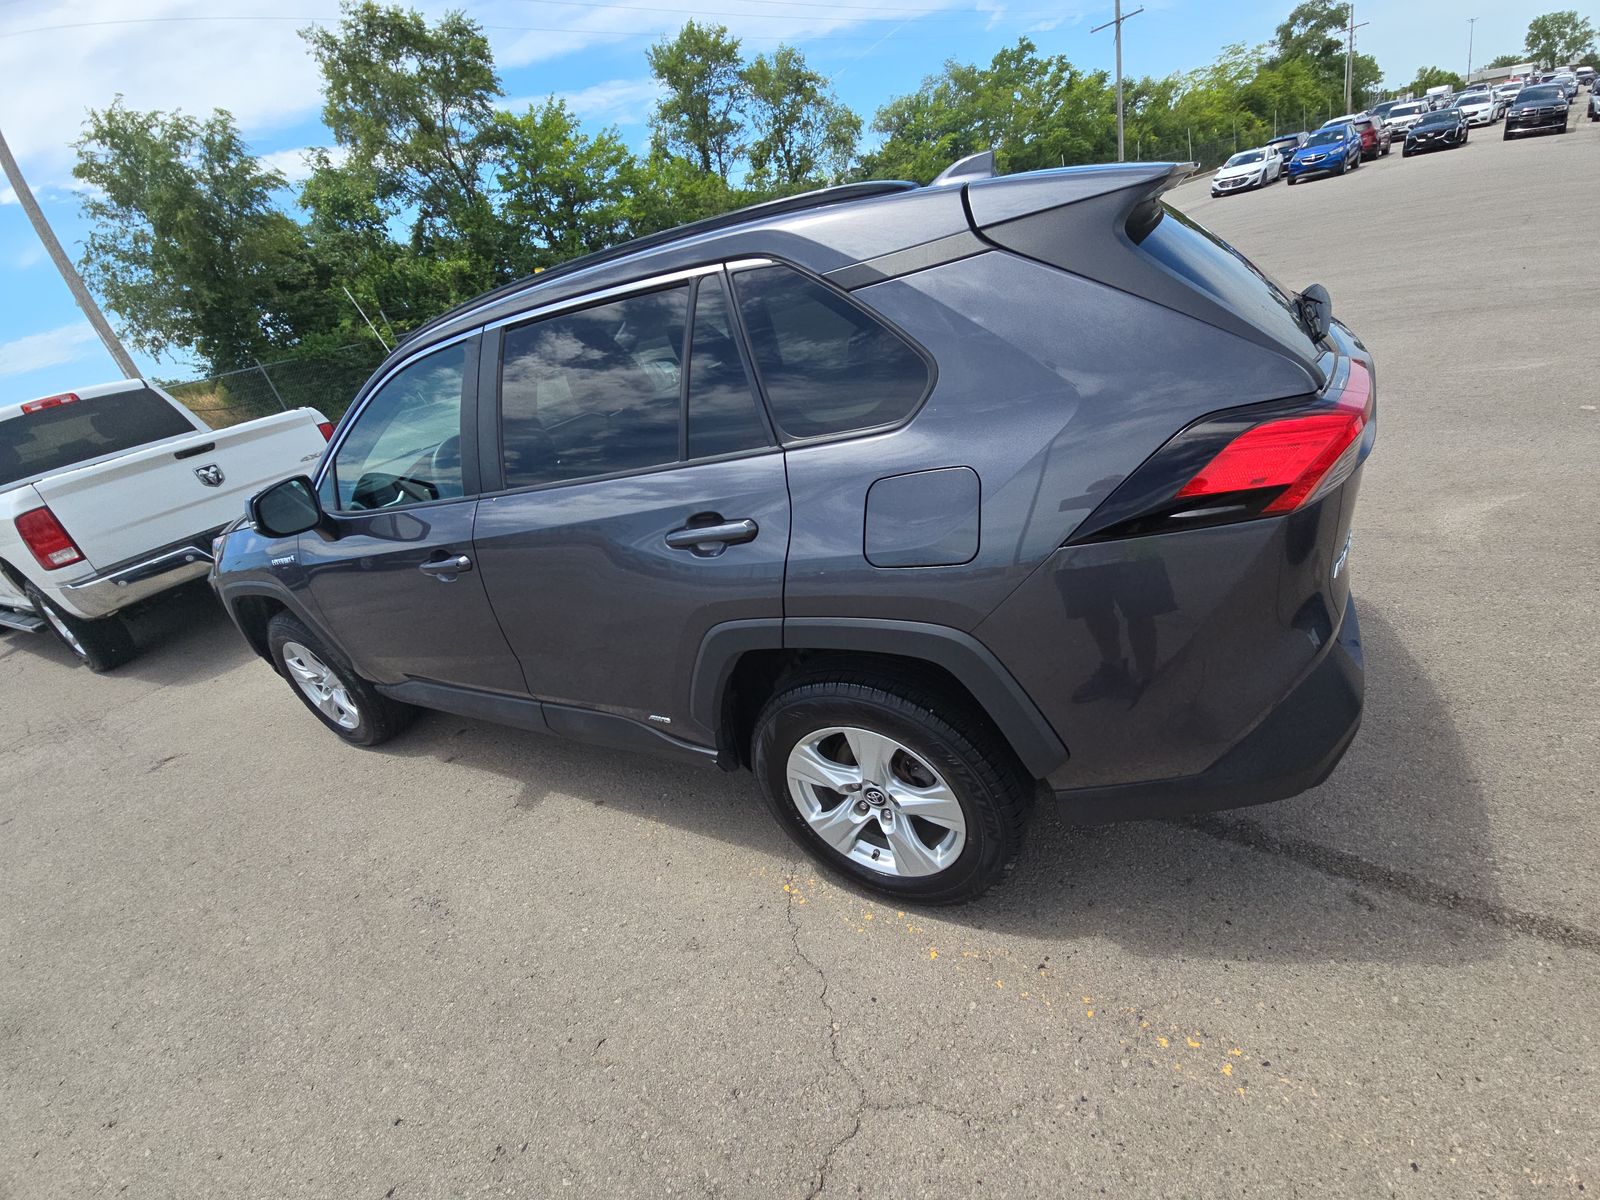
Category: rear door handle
[446,568]
[707,540]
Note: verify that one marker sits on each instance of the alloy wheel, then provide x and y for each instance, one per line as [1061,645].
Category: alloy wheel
[321,685]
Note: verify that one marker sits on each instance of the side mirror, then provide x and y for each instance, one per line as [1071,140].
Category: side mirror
[1316,308]
[287,508]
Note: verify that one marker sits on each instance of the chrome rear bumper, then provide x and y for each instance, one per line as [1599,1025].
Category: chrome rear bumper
[103,594]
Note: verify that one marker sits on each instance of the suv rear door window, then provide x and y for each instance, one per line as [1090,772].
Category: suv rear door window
[722,413]
[593,392]
[826,366]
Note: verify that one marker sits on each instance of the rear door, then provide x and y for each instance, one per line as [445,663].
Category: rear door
[392,573]
[642,497]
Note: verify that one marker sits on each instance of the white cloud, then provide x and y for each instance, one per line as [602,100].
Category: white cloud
[614,102]
[295,164]
[52,348]
[8,196]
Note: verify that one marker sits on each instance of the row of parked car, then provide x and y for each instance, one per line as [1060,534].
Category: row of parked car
[1434,122]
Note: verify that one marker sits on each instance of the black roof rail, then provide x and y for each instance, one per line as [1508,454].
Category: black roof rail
[817,198]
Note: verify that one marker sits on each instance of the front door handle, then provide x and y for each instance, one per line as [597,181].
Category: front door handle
[708,540]
[446,569]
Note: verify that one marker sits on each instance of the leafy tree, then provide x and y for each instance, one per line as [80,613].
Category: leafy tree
[803,135]
[1314,33]
[1506,60]
[1430,77]
[1559,38]
[700,113]
[186,245]
[1031,110]
[570,193]
[412,104]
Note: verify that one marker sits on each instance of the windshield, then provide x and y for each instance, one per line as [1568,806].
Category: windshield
[1327,137]
[1408,110]
[1539,95]
[55,438]
[1384,109]
[1444,117]
[1473,98]
[1249,156]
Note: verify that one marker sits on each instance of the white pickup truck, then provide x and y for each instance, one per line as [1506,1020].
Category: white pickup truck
[111,495]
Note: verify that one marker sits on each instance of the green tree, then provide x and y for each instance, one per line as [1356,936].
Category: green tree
[1031,110]
[1314,33]
[412,104]
[185,244]
[700,112]
[1559,38]
[1506,60]
[803,135]
[569,192]
[1431,77]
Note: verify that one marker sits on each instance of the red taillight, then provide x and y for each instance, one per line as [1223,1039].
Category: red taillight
[325,428]
[33,406]
[1295,454]
[44,536]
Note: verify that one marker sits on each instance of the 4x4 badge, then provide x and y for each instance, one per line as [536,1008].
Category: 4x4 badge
[210,475]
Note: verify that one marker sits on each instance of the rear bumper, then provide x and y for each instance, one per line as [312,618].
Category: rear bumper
[1293,749]
[138,579]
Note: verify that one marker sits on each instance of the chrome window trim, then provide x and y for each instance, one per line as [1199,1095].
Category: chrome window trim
[619,291]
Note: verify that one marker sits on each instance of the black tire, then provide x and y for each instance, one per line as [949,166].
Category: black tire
[1404,153]
[377,718]
[101,645]
[1288,180]
[1506,136]
[945,730]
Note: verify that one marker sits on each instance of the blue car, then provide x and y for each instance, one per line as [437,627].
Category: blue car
[1332,149]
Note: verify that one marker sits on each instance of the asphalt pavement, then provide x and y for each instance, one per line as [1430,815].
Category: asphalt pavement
[238,958]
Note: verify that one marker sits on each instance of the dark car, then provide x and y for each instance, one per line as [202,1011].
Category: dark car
[1442,130]
[1375,137]
[1594,105]
[1537,109]
[905,498]
[1333,149]
[1288,143]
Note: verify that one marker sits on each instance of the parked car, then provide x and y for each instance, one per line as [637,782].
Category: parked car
[1375,138]
[1382,111]
[1594,105]
[1442,130]
[1439,97]
[1246,170]
[818,488]
[1288,143]
[1507,92]
[110,495]
[1585,76]
[1476,108]
[1330,150]
[1538,109]
[1403,116]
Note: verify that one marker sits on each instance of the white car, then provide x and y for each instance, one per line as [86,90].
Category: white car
[110,495]
[1248,169]
[1403,116]
[1476,108]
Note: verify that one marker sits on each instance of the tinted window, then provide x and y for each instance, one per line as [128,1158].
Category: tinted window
[1231,279]
[1538,95]
[722,408]
[593,392]
[1327,137]
[405,447]
[55,438]
[827,367]
[1248,156]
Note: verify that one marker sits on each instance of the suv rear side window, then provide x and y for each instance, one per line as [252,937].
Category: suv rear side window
[593,392]
[55,438]
[722,414]
[827,367]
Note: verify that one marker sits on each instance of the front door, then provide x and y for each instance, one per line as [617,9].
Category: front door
[644,500]
[393,577]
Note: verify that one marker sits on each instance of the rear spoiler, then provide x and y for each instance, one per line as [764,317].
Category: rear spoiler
[996,200]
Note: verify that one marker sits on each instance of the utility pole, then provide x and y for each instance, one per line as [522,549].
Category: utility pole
[1471,21]
[1349,57]
[69,273]
[1117,19]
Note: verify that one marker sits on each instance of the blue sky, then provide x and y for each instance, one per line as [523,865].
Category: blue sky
[59,58]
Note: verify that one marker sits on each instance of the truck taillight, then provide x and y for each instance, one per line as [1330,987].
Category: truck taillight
[48,541]
[33,406]
[325,428]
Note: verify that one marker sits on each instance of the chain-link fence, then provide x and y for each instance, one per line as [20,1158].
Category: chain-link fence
[1211,149]
[326,382]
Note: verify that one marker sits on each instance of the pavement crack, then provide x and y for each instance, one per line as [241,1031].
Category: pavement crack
[1340,864]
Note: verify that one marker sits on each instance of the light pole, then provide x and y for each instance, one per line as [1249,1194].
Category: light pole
[69,273]
[1349,57]
[1471,21]
[1117,19]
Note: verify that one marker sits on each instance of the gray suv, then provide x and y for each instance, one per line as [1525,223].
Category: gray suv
[915,501]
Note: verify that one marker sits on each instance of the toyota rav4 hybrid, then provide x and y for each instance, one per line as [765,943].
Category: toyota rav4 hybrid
[908,499]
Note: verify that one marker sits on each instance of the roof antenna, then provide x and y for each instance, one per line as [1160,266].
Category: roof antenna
[966,170]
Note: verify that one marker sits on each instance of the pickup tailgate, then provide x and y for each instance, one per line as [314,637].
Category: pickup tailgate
[158,495]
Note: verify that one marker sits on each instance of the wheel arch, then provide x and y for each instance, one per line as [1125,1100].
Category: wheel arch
[741,662]
[252,608]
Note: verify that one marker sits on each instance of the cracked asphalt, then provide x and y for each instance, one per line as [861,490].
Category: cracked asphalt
[238,958]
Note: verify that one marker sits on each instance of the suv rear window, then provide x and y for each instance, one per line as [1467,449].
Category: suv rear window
[827,367]
[1227,276]
[53,439]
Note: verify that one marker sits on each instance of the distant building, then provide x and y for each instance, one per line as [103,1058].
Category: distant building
[1501,74]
